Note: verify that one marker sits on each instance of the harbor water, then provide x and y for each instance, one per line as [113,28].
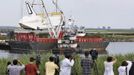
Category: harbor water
[120,48]
[113,48]
[7,54]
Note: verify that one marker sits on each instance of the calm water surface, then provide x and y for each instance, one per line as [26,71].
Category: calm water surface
[120,47]
[112,49]
[6,54]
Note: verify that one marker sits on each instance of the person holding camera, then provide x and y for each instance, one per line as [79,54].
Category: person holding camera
[125,67]
[86,64]
[16,68]
[94,54]
[108,65]
[66,65]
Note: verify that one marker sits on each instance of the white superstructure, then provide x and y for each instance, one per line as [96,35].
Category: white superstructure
[53,20]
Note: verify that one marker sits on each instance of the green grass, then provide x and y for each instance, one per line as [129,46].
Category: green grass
[76,68]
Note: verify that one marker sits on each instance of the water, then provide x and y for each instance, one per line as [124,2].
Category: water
[6,54]
[112,49]
[120,48]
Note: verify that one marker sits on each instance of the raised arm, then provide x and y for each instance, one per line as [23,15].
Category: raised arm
[22,66]
[70,63]
[129,65]
[114,60]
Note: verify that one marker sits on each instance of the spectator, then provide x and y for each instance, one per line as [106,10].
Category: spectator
[16,68]
[86,64]
[124,68]
[66,65]
[109,66]
[131,71]
[7,71]
[38,59]
[94,54]
[56,61]
[50,66]
[31,67]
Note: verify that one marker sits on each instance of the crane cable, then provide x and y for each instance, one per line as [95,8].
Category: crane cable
[48,19]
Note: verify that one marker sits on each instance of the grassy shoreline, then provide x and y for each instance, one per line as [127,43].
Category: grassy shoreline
[76,68]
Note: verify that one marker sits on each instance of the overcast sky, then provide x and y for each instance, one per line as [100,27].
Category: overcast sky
[89,13]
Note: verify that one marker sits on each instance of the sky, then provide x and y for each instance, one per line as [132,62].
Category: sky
[88,13]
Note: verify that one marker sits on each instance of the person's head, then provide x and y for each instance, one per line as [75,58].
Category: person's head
[68,56]
[15,62]
[32,59]
[86,53]
[124,63]
[109,59]
[8,63]
[51,58]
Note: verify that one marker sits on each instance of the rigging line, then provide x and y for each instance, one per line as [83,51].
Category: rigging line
[33,3]
[29,10]
[56,5]
[48,17]
[61,23]
[63,17]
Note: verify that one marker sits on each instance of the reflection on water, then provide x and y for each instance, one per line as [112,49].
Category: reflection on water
[120,47]
[112,48]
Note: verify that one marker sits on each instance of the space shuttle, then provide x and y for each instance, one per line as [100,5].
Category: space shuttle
[35,21]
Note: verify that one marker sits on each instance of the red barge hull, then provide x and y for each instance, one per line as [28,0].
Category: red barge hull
[29,42]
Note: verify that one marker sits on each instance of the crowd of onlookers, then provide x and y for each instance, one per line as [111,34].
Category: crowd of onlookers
[63,67]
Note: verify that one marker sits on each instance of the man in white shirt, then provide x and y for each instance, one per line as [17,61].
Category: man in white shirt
[124,68]
[66,65]
[16,68]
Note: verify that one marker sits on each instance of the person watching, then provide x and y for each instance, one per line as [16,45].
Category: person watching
[50,66]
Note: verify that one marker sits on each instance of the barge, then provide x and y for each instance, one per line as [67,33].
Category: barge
[64,36]
[29,42]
